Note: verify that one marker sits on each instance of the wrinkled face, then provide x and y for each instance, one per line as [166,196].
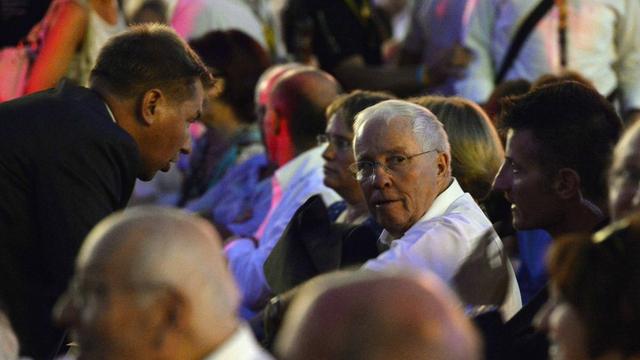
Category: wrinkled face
[624,178]
[169,132]
[525,185]
[398,199]
[338,156]
[565,330]
[103,316]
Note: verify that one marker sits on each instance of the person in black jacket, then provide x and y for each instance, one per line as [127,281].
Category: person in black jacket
[69,156]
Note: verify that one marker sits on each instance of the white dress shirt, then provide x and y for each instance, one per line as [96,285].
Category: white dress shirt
[603,44]
[297,180]
[441,240]
[240,346]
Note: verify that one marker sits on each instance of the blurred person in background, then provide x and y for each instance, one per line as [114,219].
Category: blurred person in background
[232,134]
[77,30]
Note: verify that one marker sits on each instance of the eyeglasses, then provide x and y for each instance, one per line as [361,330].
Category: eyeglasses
[364,170]
[339,142]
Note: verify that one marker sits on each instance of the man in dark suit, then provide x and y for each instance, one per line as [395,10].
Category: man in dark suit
[69,156]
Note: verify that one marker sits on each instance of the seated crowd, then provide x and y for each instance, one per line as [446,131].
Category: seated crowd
[336,208]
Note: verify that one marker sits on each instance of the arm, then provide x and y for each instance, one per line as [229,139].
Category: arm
[438,246]
[628,65]
[414,43]
[79,187]
[246,257]
[64,36]
[477,84]
[353,73]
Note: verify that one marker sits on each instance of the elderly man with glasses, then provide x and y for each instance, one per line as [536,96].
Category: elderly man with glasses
[403,167]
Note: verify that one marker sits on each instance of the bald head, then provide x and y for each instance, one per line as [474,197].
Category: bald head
[268,79]
[169,269]
[301,96]
[371,316]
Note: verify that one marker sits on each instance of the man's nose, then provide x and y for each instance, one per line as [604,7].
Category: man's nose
[502,181]
[329,152]
[380,176]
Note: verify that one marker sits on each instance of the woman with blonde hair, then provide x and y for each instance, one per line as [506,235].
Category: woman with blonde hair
[476,150]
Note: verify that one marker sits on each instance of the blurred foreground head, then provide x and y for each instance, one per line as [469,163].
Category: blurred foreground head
[371,316]
[594,311]
[150,283]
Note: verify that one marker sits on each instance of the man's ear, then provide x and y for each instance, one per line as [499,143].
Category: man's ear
[443,163]
[171,316]
[566,183]
[149,105]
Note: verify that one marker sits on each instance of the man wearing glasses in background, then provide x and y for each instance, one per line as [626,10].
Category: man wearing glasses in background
[403,167]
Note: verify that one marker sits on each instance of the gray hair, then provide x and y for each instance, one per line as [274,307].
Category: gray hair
[426,127]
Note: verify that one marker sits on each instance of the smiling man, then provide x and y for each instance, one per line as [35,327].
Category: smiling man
[69,156]
[403,167]
[559,142]
[560,139]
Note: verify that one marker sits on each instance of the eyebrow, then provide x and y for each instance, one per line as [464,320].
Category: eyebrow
[393,151]
[339,136]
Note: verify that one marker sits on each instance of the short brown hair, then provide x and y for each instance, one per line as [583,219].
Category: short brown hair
[347,106]
[145,57]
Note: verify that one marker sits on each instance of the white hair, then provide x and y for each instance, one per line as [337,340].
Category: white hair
[426,127]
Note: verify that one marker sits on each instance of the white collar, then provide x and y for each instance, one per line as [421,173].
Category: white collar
[240,345]
[310,159]
[438,208]
[113,118]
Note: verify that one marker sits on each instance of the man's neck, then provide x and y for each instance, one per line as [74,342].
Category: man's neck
[585,217]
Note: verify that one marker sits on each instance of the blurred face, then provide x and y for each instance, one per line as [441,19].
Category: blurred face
[525,185]
[624,178]
[398,199]
[102,315]
[564,328]
[338,156]
[169,131]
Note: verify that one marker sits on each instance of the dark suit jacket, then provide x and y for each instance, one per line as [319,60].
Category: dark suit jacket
[64,165]
[312,244]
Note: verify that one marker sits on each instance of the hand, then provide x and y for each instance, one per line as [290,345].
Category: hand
[451,64]
[483,278]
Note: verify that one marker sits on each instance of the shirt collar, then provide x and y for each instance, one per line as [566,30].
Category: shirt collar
[113,118]
[438,208]
[310,159]
[240,342]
